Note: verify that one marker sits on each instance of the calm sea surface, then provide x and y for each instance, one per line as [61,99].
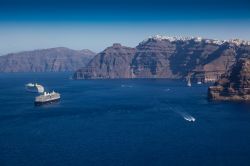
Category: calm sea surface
[119,123]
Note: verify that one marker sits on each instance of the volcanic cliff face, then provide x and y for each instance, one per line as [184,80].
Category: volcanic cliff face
[113,62]
[234,85]
[45,60]
[151,59]
[173,59]
[167,57]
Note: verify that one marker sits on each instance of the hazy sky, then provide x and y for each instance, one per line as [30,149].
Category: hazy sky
[96,24]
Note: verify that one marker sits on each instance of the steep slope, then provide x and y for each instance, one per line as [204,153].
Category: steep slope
[113,62]
[234,85]
[170,57]
[151,59]
[45,60]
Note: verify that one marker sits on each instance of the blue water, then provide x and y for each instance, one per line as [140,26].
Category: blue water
[119,123]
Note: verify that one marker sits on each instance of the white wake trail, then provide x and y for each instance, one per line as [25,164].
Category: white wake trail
[184,115]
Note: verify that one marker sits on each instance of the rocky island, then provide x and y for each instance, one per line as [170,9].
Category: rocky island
[234,85]
[166,57]
[57,59]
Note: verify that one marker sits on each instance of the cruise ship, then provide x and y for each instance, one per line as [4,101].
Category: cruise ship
[30,87]
[47,98]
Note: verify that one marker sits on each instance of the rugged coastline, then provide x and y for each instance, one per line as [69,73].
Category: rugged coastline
[166,57]
[234,85]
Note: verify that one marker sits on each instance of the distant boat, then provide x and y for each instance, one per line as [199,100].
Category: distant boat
[189,118]
[189,82]
[30,87]
[199,82]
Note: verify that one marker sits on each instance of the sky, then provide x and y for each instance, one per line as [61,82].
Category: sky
[97,24]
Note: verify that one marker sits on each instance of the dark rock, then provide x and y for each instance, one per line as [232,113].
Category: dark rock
[113,62]
[151,59]
[234,85]
[166,58]
[45,60]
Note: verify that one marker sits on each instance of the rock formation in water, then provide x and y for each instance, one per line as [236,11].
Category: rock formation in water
[45,60]
[166,57]
[234,85]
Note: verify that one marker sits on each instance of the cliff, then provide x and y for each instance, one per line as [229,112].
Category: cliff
[166,57]
[45,60]
[234,85]
[113,62]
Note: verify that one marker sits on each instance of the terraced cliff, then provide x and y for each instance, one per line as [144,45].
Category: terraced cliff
[113,62]
[234,85]
[165,57]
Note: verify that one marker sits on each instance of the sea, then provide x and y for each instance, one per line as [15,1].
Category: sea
[123,122]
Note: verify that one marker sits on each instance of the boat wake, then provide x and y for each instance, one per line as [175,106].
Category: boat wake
[189,118]
[185,115]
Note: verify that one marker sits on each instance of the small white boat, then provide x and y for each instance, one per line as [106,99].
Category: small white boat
[30,87]
[190,119]
[199,82]
[189,82]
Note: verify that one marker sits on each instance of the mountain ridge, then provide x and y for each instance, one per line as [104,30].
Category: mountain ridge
[45,60]
[170,57]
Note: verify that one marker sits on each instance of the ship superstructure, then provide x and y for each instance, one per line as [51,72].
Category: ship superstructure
[47,98]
